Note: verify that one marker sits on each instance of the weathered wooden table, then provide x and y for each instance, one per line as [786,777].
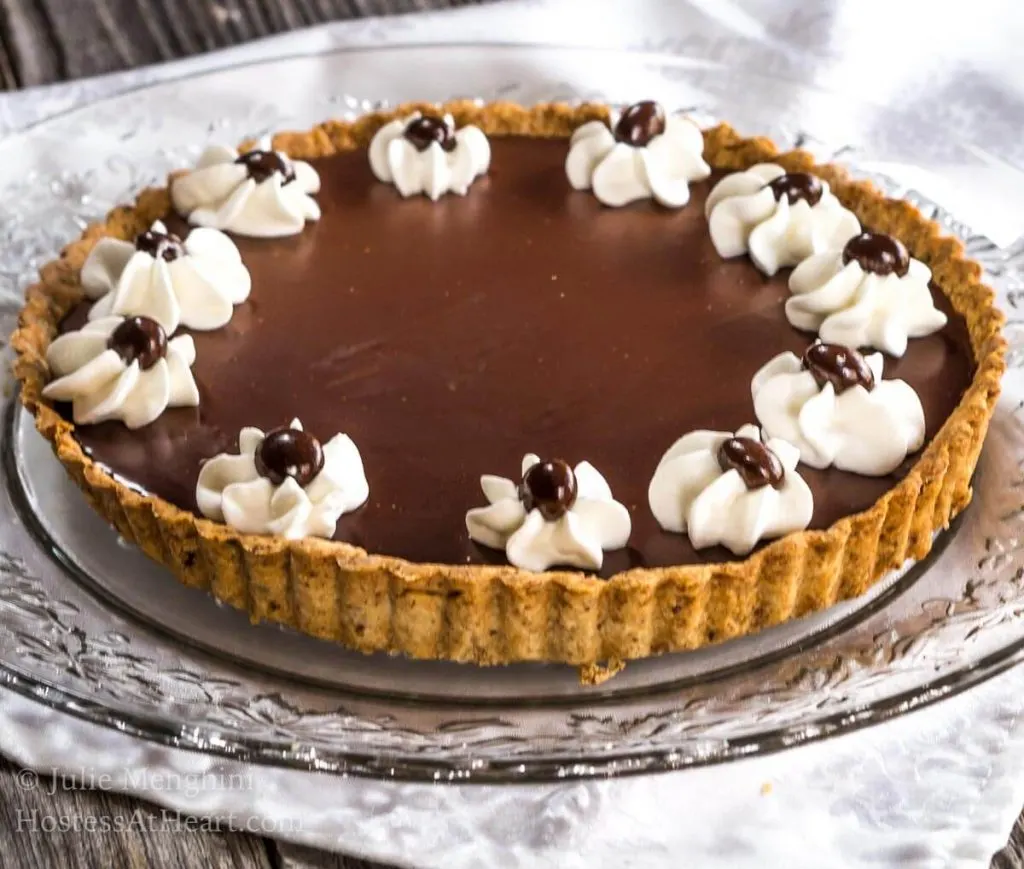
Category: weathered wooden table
[52,40]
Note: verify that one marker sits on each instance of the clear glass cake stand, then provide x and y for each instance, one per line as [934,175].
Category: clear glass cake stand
[91,627]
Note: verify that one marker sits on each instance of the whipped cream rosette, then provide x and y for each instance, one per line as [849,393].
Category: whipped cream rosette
[779,218]
[260,193]
[732,490]
[556,515]
[835,408]
[870,293]
[121,368]
[643,154]
[193,283]
[425,154]
[283,482]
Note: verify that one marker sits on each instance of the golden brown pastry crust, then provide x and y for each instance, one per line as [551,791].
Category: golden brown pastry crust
[498,615]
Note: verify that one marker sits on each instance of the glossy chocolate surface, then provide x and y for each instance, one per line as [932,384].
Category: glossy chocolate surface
[639,123]
[165,245]
[423,131]
[757,465]
[448,339]
[288,452]
[796,186]
[262,164]
[878,253]
[549,487]
[139,339]
[841,366]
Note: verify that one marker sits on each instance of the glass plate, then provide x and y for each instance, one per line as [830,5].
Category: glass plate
[91,627]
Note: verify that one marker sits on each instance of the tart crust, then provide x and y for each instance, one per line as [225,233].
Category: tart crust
[499,615]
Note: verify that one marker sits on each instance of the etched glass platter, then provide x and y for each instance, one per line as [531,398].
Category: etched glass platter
[91,627]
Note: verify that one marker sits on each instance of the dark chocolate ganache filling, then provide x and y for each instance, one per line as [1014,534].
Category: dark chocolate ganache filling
[450,338]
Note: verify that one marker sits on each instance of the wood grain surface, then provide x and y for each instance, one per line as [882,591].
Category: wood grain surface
[44,41]
[52,40]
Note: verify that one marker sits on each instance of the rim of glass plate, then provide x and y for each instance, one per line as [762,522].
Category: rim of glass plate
[474,771]
[207,739]
[666,58]
[12,480]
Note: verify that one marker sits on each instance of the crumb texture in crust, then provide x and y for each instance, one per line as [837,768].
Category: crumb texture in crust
[498,615]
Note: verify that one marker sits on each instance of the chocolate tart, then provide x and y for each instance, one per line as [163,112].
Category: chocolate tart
[522,317]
